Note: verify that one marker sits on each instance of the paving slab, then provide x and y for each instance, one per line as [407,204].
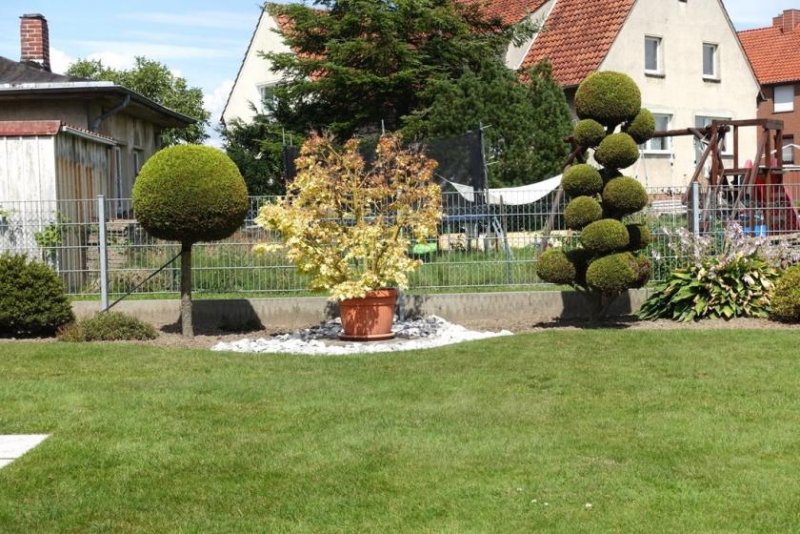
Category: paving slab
[15,445]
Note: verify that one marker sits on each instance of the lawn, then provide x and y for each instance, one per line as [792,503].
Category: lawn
[659,431]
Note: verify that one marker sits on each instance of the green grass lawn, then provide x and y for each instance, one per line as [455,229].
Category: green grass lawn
[672,431]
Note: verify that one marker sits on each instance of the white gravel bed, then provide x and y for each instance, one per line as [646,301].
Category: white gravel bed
[424,333]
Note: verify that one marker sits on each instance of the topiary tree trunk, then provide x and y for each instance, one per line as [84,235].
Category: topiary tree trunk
[187,327]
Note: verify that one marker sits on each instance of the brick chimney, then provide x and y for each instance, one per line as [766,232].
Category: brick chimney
[35,40]
[788,21]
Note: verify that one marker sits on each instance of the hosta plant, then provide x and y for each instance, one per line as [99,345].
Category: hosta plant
[351,225]
[728,277]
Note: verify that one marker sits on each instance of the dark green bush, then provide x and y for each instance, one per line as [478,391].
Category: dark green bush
[613,274]
[190,193]
[580,180]
[605,235]
[554,266]
[582,211]
[617,151]
[108,326]
[640,236]
[786,296]
[642,127]
[32,298]
[588,133]
[623,196]
[608,97]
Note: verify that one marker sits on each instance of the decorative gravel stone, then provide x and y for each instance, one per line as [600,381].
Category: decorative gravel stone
[421,333]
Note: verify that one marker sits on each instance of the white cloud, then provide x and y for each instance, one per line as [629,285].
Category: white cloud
[60,60]
[216,100]
[197,19]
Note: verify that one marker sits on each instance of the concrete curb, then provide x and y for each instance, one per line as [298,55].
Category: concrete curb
[487,309]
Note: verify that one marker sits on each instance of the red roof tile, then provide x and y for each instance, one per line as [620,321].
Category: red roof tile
[47,128]
[577,37]
[29,128]
[509,11]
[775,55]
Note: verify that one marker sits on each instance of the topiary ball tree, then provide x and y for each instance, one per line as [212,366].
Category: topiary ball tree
[612,123]
[190,193]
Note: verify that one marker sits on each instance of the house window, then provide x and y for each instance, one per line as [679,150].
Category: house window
[653,56]
[784,98]
[788,149]
[267,94]
[701,121]
[137,162]
[659,144]
[710,61]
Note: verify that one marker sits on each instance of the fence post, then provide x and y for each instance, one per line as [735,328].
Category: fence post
[102,242]
[696,208]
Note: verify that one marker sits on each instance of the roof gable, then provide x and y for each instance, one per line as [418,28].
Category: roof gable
[773,54]
[577,36]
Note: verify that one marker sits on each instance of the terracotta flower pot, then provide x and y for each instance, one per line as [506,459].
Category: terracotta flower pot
[369,318]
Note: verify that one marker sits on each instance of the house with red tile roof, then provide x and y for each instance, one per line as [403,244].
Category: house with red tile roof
[684,55]
[774,53]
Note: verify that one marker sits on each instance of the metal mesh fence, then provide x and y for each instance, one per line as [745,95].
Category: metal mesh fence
[480,245]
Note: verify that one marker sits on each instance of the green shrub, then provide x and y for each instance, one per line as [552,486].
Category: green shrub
[642,127]
[582,211]
[554,266]
[613,274]
[640,236]
[617,151]
[605,235]
[108,326]
[580,180]
[588,133]
[786,296]
[190,193]
[623,196]
[608,97]
[32,298]
[728,286]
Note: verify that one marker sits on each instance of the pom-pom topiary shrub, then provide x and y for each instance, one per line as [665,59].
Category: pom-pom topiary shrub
[32,298]
[786,296]
[190,193]
[613,123]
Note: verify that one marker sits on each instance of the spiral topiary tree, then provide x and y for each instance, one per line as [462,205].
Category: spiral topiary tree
[190,193]
[609,260]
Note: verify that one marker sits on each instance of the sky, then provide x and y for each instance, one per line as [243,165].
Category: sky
[203,41]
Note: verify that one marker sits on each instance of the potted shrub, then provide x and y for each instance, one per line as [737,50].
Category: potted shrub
[350,225]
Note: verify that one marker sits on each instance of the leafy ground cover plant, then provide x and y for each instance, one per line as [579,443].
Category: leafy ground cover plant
[108,326]
[727,277]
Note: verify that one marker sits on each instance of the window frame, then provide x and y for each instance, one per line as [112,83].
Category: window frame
[262,97]
[659,70]
[647,146]
[728,149]
[785,107]
[714,76]
[788,142]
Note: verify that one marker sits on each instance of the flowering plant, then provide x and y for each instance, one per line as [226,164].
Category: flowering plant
[350,225]
[731,277]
